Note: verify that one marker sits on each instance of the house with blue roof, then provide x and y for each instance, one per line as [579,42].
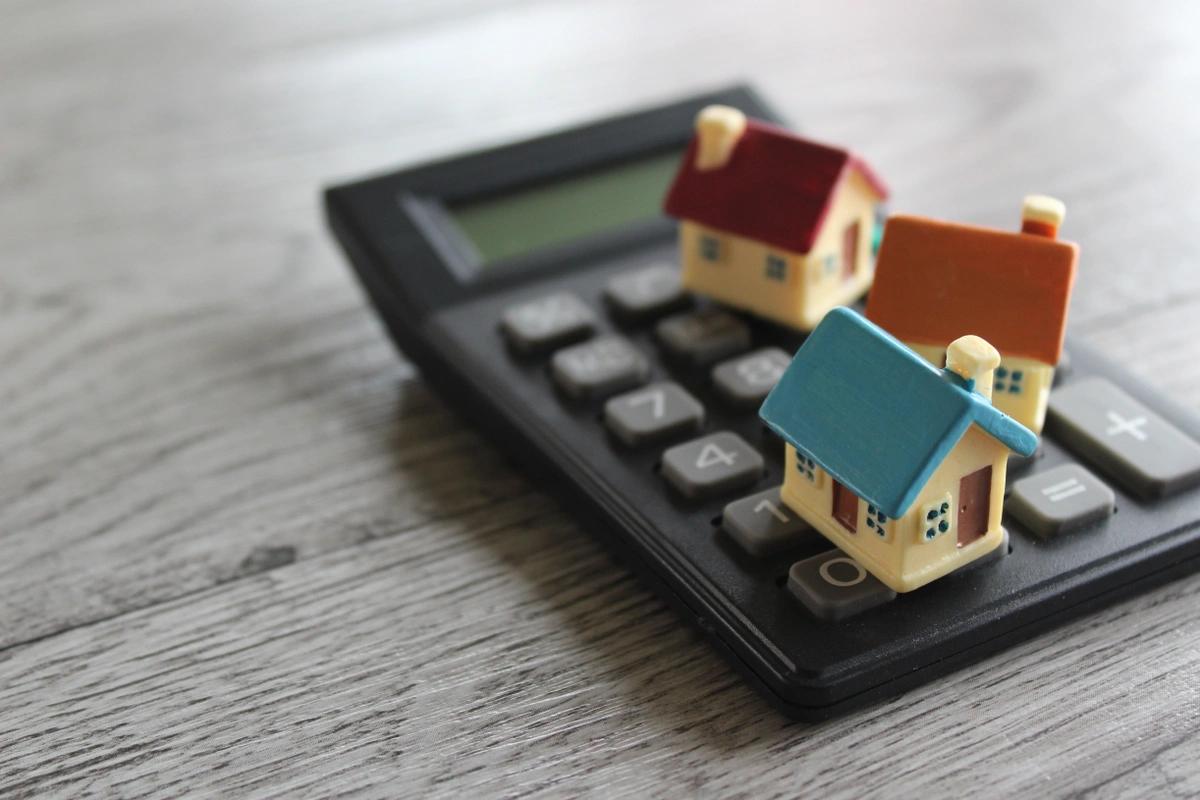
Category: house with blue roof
[899,463]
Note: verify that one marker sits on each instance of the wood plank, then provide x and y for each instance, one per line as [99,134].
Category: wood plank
[245,550]
[501,652]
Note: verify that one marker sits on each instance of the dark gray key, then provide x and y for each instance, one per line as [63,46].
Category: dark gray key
[834,586]
[653,413]
[746,380]
[1059,500]
[1147,455]
[598,368]
[763,525]
[704,336]
[646,292]
[540,325]
[711,465]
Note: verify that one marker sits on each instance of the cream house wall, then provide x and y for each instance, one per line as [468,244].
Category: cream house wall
[896,550]
[811,284]
[1028,404]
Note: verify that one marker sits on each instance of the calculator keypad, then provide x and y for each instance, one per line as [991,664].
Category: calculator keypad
[646,292]
[712,465]
[1144,453]
[746,381]
[598,368]
[653,413]
[703,337]
[763,525]
[1059,500]
[709,351]
[544,323]
[834,586]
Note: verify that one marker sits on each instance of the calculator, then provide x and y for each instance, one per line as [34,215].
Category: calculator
[536,286]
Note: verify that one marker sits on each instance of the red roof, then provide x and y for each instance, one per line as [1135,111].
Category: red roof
[775,188]
[936,281]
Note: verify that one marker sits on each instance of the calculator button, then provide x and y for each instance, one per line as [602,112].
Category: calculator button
[547,322]
[714,464]
[1059,500]
[653,413]
[1145,454]
[598,368]
[834,586]
[646,292]
[702,337]
[745,381]
[763,525]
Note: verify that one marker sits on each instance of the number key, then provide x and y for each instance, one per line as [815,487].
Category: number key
[746,381]
[714,464]
[834,586]
[762,524]
[653,413]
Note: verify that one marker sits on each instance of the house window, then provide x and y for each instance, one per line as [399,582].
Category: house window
[877,522]
[936,519]
[710,247]
[808,468]
[776,267]
[1010,381]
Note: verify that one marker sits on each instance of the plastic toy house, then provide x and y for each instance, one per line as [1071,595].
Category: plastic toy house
[938,280]
[772,223]
[900,464]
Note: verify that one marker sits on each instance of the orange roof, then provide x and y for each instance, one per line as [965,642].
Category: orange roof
[936,281]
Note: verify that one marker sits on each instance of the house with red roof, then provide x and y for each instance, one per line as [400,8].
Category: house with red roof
[936,281]
[772,223]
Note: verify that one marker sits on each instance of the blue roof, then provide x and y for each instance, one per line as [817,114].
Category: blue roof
[875,415]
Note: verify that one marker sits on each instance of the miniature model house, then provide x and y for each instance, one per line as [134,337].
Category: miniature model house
[898,463]
[772,223]
[938,280]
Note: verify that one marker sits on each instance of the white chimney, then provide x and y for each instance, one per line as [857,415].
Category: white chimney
[1041,215]
[973,359]
[718,129]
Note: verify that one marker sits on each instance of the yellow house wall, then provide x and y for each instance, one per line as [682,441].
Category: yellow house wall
[854,200]
[1027,407]
[814,282]
[901,557]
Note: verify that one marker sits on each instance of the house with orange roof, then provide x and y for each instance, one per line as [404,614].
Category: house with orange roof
[936,281]
[772,223]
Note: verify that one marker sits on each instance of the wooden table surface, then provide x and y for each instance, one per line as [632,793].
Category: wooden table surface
[245,551]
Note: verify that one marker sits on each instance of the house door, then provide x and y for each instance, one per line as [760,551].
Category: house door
[845,507]
[849,251]
[974,505]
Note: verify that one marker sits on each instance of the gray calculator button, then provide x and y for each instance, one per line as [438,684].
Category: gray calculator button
[746,380]
[834,586]
[646,292]
[598,368]
[714,464]
[1147,455]
[653,413]
[763,525]
[703,337]
[1059,500]
[546,322]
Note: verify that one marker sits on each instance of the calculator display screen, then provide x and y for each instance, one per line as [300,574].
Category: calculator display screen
[555,212]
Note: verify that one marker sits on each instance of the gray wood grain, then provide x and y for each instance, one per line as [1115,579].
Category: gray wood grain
[243,550]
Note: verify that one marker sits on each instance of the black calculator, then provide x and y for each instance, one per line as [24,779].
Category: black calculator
[536,287]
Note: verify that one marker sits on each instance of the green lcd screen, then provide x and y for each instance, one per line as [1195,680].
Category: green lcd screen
[558,211]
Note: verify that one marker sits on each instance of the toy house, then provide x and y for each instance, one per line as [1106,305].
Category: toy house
[771,223]
[899,463]
[936,280]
